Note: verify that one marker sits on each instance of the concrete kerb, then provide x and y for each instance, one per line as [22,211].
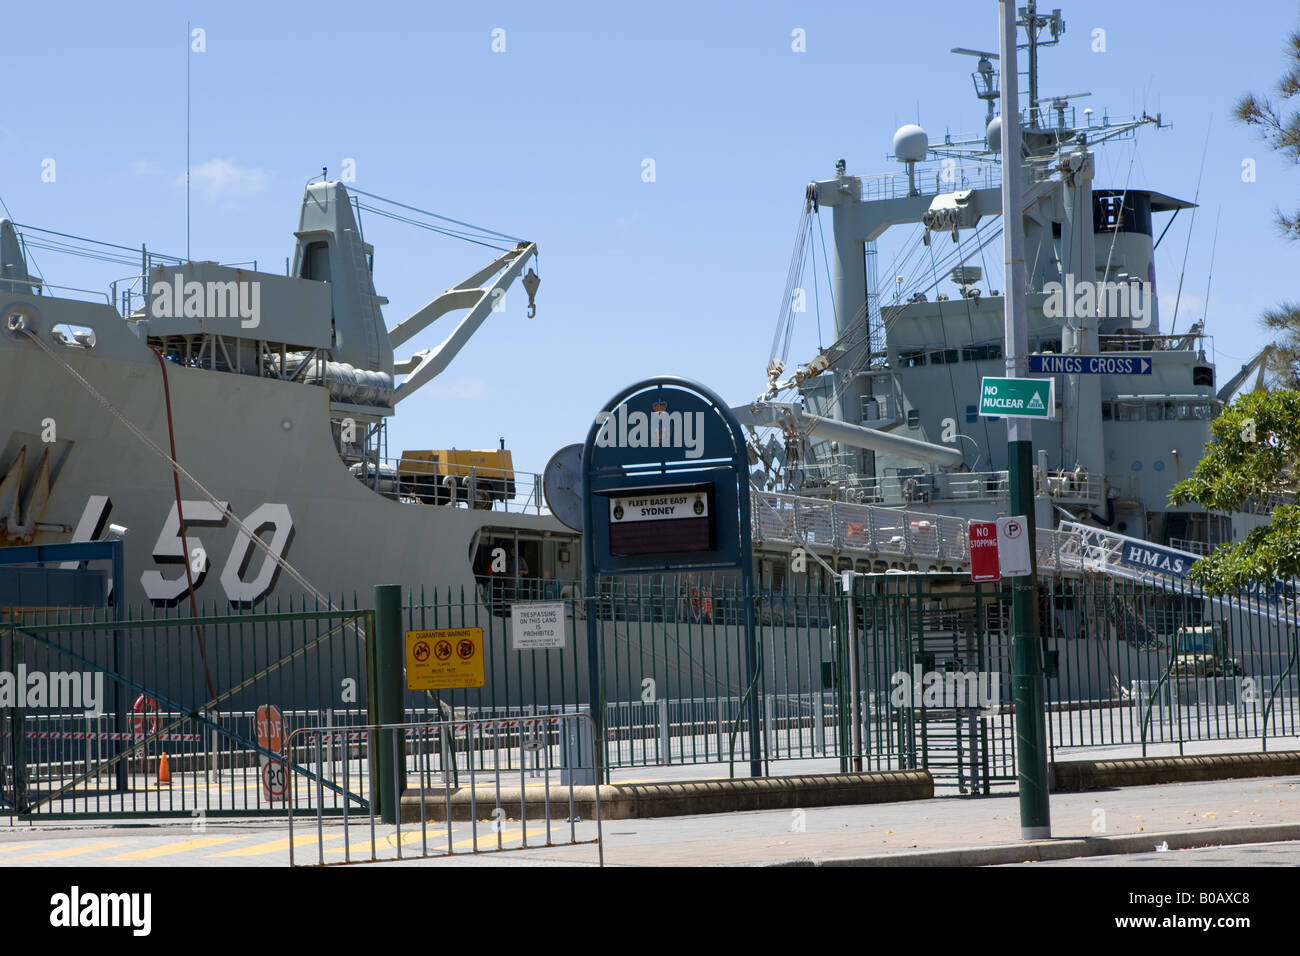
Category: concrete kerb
[685,798]
[1076,775]
[1040,851]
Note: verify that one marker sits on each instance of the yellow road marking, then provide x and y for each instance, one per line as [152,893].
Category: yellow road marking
[273,846]
[10,847]
[167,849]
[65,852]
[507,836]
[487,840]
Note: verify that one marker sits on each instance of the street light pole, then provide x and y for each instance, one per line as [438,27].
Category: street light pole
[1027,675]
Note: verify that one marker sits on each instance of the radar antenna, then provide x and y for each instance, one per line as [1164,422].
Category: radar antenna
[985,78]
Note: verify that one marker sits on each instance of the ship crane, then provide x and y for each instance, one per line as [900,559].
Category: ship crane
[480,294]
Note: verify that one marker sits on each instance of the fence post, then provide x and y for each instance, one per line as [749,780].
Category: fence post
[389,761]
[19,730]
[819,722]
[769,721]
[665,739]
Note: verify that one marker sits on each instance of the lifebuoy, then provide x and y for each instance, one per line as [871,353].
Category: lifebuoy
[144,716]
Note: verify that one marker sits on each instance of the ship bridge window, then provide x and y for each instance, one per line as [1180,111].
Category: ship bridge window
[1155,410]
[943,357]
[981,353]
[911,359]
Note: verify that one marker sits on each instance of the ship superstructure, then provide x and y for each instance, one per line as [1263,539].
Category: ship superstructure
[1135,395]
[272,393]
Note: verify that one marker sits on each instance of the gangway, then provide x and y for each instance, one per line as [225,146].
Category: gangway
[1106,552]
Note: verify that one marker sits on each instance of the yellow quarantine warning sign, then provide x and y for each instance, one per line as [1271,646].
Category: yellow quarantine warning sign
[444,659]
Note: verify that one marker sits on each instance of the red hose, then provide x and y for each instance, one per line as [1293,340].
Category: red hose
[180,517]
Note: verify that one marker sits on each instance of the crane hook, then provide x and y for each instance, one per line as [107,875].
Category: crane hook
[530,282]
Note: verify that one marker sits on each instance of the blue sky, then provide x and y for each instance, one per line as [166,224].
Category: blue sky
[682,275]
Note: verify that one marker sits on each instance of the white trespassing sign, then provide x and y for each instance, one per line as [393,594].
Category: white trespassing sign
[536,626]
[660,507]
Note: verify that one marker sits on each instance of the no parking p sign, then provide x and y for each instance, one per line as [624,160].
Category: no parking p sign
[999,549]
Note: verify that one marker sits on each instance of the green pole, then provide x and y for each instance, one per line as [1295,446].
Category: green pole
[390,690]
[1027,654]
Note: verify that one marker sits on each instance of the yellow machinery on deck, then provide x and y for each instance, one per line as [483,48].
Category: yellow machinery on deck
[446,476]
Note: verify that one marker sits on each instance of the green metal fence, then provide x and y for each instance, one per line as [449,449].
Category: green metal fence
[1145,664]
[98,704]
[1133,667]
[672,660]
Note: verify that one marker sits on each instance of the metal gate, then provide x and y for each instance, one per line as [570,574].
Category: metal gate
[933,662]
[172,716]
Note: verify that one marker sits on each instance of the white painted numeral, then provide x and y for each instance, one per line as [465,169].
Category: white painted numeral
[159,588]
[236,588]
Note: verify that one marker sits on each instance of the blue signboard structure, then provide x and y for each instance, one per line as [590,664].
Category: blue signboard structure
[665,487]
[1089,365]
[1148,557]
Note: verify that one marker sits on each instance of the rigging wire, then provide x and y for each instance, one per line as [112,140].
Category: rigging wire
[1191,225]
[442,231]
[1209,278]
[425,212]
[817,304]
[793,272]
[952,387]
[829,285]
[790,313]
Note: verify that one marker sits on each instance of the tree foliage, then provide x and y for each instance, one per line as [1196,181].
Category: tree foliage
[1282,366]
[1278,124]
[1253,457]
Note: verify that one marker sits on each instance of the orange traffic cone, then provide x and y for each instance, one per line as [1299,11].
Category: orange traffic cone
[164,771]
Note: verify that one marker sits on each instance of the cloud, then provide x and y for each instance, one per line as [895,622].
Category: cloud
[225,179]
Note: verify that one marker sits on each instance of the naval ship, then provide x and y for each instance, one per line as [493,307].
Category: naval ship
[887,414]
[272,393]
